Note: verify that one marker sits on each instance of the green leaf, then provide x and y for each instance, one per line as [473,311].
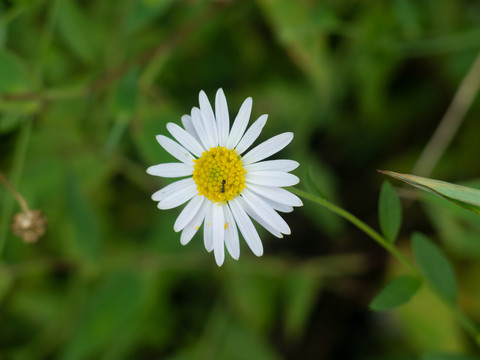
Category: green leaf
[456,228]
[436,267]
[125,98]
[146,12]
[463,196]
[389,212]
[396,293]
[124,106]
[13,74]
[78,31]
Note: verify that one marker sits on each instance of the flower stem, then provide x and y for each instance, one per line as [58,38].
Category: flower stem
[462,319]
[18,162]
[21,201]
[359,224]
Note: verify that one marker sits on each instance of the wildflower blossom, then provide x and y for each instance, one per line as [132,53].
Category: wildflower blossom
[225,185]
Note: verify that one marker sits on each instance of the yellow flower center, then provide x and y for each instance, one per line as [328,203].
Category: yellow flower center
[219,174]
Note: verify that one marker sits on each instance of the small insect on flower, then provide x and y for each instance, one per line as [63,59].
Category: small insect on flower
[212,155]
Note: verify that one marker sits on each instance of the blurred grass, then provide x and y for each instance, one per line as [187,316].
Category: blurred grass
[361,84]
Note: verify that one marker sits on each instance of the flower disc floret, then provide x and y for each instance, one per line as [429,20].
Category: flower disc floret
[219,174]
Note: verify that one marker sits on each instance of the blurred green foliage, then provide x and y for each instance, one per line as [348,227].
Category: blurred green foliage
[86,85]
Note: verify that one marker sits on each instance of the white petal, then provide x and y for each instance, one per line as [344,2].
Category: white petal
[207,227]
[268,148]
[265,211]
[223,120]
[178,197]
[278,206]
[271,178]
[231,234]
[277,194]
[187,123]
[175,149]
[200,129]
[171,170]
[246,227]
[191,229]
[275,165]
[171,188]
[208,118]
[240,124]
[251,212]
[218,229]
[188,212]
[186,139]
[251,135]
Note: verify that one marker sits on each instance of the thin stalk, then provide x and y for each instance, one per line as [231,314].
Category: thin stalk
[451,121]
[18,162]
[467,324]
[359,224]
[21,201]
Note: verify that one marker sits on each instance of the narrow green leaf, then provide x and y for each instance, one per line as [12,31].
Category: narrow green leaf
[125,98]
[124,106]
[389,212]
[436,267]
[146,12]
[78,31]
[13,74]
[463,196]
[396,293]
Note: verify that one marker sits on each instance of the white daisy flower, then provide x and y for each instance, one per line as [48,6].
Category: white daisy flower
[223,187]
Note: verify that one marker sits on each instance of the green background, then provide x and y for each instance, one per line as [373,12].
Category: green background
[86,85]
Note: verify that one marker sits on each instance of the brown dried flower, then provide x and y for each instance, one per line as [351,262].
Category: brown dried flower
[30,225]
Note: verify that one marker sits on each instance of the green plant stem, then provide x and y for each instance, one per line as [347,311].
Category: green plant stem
[468,325]
[359,224]
[18,162]
[21,201]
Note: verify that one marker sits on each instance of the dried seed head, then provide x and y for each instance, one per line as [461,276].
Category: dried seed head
[30,226]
